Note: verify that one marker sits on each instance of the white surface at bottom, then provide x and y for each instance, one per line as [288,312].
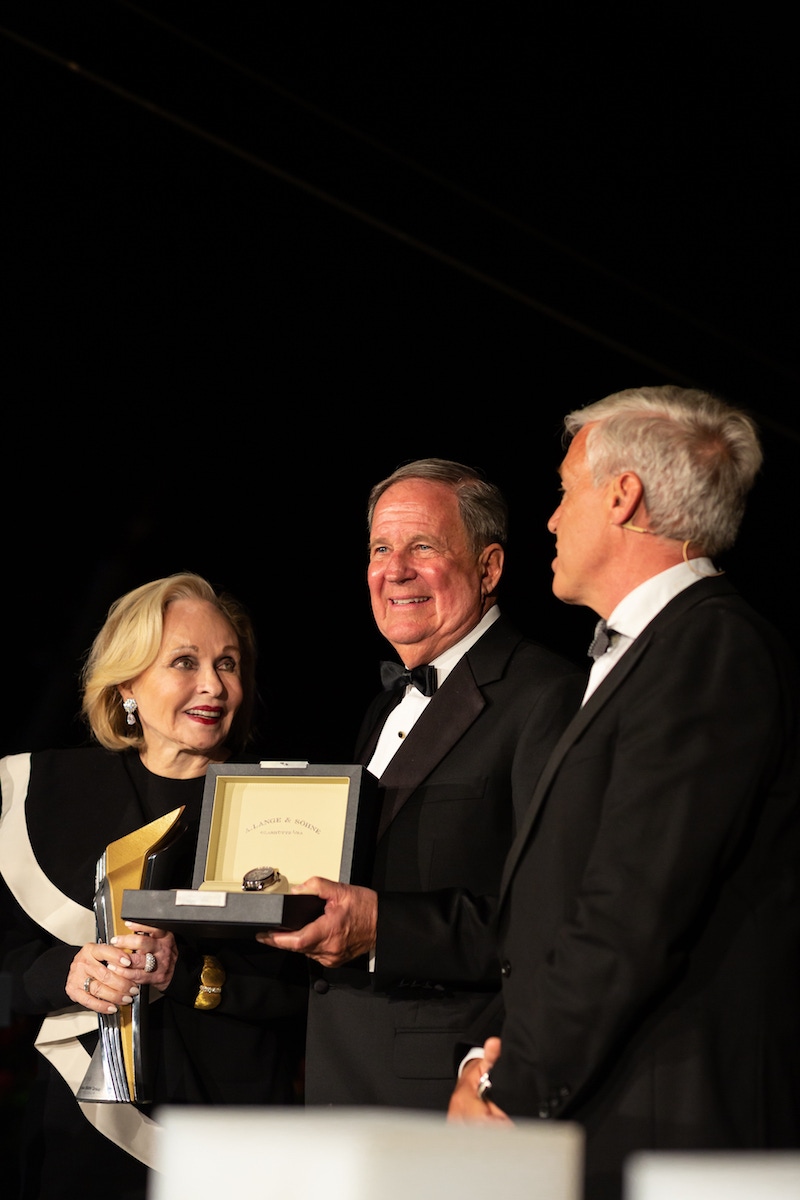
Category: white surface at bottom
[740,1175]
[359,1154]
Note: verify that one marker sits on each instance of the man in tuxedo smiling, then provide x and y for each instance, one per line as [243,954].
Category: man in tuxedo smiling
[649,914]
[467,719]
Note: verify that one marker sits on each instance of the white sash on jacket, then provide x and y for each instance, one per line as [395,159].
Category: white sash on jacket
[75,925]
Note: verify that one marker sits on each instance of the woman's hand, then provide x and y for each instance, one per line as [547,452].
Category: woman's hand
[146,947]
[102,977]
[92,980]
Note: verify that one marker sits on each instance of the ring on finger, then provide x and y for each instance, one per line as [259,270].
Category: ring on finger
[149,962]
[87,983]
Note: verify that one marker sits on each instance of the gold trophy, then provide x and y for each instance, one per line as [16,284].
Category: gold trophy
[118,1070]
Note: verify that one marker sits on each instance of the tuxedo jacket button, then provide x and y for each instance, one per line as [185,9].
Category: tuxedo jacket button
[505,969]
[321,986]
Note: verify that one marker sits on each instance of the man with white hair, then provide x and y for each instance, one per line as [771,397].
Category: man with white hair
[649,915]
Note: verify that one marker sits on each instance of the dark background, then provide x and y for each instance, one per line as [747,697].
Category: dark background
[256,255]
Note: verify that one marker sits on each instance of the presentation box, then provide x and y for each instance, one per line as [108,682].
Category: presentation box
[299,819]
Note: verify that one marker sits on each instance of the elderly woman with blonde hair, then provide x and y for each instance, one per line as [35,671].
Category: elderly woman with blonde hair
[168,688]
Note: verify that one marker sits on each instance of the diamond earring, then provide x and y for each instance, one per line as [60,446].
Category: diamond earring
[130,707]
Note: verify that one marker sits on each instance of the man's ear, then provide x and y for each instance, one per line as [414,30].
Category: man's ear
[491,561]
[627,494]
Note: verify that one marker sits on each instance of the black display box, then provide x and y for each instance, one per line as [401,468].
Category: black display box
[303,819]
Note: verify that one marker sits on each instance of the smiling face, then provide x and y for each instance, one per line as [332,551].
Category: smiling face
[428,588]
[188,697]
[582,526]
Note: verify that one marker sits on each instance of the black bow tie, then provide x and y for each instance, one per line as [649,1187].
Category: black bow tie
[393,675]
[603,639]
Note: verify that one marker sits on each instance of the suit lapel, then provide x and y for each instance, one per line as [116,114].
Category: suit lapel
[675,610]
[450,713]
[381,709]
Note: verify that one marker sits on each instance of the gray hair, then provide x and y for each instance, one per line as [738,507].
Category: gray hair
[697,458]
[481,505]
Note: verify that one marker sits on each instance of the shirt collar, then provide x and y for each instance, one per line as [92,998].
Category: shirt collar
[637,609]
[445,661]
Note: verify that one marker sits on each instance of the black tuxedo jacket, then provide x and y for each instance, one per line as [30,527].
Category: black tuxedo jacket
[649,914]
[452,798]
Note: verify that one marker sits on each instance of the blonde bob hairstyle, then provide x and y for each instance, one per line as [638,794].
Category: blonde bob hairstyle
[129,643]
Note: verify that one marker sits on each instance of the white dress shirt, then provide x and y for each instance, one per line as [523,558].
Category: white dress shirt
[637,609]
[402,718]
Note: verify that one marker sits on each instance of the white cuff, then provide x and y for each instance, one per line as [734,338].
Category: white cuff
[475,1052]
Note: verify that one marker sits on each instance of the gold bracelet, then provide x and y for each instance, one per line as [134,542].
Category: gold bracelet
[212,977]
